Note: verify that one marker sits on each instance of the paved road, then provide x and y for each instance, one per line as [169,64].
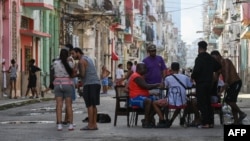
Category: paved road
[37,122]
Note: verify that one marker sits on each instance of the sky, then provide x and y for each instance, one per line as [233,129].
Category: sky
[191,20]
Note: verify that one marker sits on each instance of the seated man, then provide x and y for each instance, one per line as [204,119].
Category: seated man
[139,92]
[176,84]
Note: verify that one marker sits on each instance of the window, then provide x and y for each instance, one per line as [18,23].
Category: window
[25,23]
[27,57]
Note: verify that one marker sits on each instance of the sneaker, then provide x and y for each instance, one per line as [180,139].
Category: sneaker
[59,127]
[242,116]
[147,125]
[5,95]
[161,124]
[71,127]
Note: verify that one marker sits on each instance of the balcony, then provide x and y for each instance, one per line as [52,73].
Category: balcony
[137,33]
[79,4]
[151,12]
[218,26]
[39,4]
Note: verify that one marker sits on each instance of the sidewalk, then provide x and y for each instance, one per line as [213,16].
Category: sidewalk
[5,103]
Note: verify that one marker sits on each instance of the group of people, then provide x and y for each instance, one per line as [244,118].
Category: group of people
[65,70]
[145,83]
[32,69]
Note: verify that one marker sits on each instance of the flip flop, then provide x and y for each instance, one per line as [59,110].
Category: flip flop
[204,126]
[87,128]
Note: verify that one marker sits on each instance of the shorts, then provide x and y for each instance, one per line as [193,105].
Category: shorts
[139,101]
[32,82]
[105,81]
[12,78]
[91,94]
[63,91]
[233,91]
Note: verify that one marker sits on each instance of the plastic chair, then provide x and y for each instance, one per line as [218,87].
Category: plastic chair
[174,93]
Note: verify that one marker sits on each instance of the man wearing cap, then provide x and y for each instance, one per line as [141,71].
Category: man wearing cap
[4,82]
[155,67]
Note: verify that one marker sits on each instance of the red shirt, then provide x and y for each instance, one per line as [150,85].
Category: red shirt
[134,89]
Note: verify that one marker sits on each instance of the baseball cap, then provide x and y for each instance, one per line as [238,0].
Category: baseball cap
[151,47]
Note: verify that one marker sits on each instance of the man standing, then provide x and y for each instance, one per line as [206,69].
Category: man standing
[203,71]
[232,85]
[105,81]
[155,68]
[91,86]
[32,78]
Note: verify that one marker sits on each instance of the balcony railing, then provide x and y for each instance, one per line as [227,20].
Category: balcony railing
[39,4]
[151,12]
[80,4]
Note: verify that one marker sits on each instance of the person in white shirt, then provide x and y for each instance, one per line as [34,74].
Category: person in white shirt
[119,74]
[176,84]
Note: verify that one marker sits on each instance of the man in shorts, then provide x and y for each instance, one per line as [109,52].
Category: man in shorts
[232,85]
[91,86]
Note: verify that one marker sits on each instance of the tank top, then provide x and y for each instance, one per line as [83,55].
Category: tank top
[91,73]
[13,70]
[134,89]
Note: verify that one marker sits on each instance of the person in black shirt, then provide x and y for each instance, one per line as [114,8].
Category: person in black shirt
[203,71]
[32,78]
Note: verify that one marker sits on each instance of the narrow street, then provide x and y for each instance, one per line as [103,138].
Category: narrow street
[37,122]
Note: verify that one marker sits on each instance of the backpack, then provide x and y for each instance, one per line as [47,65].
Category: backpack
[101,118]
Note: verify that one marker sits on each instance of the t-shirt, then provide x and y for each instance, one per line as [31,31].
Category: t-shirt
[60,70]
[119,73]
[155,67]
[176,92]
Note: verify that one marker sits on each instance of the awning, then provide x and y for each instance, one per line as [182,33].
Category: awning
[34,33]
[117,27]
[114,56]
[245,34]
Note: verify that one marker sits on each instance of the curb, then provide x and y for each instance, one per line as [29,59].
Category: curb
[22,103]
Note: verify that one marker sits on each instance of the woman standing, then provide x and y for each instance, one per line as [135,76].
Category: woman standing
[13,75]
[63,86]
